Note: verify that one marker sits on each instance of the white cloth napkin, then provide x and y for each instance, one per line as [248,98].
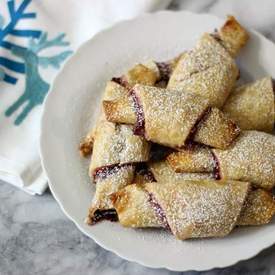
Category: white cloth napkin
[36,38]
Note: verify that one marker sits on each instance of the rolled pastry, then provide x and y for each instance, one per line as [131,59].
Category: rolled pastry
[115,153]
[189,209]
[209,70]
[118,89]
[249,158]
[171,118]
[113,91]
[251,105]
[162,172]
[259,208]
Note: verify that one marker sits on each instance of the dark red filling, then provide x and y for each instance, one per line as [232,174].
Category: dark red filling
[216,170]
[108,214]
[143,170]
[121,81]
[159,211]
[105,171]
[139,127]
[200,119]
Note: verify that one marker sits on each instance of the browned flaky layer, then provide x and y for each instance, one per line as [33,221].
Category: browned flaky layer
[251,105]
[250,158]
[259,208]
[209,70]
[190,209]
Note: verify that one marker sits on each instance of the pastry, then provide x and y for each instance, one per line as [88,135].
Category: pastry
[172,118]
[209,70]
[250,158]
[189,209]
[162,172]
[115,153]
[86,145]
[251,105]
[259,208]
[166,152]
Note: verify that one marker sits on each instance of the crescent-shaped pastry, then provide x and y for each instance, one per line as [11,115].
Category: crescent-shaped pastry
[116,151]
[209,70]
[251,106]
[249,158]
[189,209]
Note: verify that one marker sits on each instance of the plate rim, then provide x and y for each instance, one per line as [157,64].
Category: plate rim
[42,153]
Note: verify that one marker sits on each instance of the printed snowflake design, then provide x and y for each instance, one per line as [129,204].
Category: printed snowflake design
[36,87]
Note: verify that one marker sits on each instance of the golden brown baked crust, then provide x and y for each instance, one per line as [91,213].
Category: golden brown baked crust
[249,158]
[216,130]
[208,70]
[164,173]
[86,145]
[117,103]
[142,75]
[133,207]
[119,110]
[169,114]
[258,209]
[233,36]
[194,159]
[172,117]
[114,91]
[190,209]
[115,152]
[114,181]
[116,144]
[251,106]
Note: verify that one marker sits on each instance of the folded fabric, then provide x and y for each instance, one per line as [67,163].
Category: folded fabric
[36,39]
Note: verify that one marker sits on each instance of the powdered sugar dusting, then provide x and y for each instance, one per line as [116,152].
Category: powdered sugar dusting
[249,158]
[200,209]
[207,70]
[169,114]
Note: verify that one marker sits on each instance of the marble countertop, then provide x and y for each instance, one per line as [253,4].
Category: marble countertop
[37,238]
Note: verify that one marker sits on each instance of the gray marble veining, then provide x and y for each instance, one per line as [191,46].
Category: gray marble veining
[37,238]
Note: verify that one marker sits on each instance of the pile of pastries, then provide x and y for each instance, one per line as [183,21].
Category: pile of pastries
[179,145]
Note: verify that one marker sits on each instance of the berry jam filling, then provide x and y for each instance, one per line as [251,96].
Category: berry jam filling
[159,211]
[105,171]
[121,81]
[108,214]
[143,170]
[139,127]
[159,152]
[200,119]
[216,170]
[164,71]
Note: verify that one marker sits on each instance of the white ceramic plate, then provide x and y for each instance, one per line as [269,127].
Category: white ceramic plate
[70,110]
